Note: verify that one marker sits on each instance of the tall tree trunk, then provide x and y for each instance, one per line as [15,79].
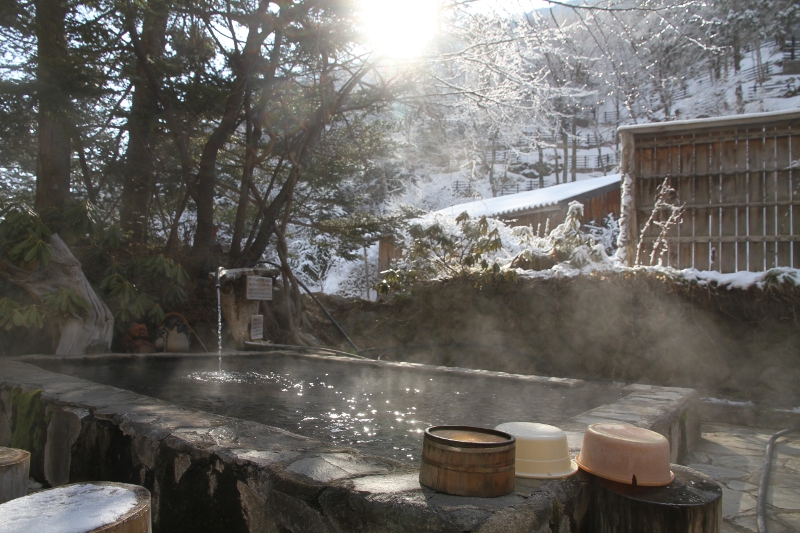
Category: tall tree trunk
[565,147]
[540,170]
[736,44]
[574,149]
[299,151]
[78,335]
[495,188]
[137,190]
[207,173]
[53,73]
[254,122]
[557,169]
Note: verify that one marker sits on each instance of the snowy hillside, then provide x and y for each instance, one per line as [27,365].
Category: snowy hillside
[759,86]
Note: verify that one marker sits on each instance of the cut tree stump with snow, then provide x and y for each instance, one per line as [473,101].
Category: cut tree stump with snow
[77,335]
[690,504]
[14,469]
[80,508]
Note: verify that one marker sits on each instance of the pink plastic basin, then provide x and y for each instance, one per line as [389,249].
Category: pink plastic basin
[626,454]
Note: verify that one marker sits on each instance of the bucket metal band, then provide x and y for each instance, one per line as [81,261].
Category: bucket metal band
[447,448]
[468,470]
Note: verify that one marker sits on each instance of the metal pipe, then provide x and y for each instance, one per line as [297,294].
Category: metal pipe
[762,490]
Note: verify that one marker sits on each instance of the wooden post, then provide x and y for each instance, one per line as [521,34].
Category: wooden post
[14,469]
[628,168]
[566,149]
[690,504]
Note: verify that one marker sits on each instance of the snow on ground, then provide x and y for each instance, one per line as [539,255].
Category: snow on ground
[353,279]
[720,401]
[705,278]
[742,280]
[707,98]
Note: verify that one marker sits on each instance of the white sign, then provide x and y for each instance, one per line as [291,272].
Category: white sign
[259,288]
[256,327]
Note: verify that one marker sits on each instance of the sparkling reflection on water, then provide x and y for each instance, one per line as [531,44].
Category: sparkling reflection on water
[355,418]
[379,409]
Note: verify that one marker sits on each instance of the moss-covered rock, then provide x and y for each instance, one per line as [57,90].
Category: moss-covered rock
[29,427]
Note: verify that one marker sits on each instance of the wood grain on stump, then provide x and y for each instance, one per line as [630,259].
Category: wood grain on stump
[14,470]
[690,504]
[97,507]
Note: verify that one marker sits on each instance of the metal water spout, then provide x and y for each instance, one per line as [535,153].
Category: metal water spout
[217,276]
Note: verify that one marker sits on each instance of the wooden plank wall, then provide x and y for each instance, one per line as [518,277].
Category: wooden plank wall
[538,221]
[388,252]
[595,209]
[740,194]
[598,207]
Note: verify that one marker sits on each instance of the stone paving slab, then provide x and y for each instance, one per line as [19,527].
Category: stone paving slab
[734,457]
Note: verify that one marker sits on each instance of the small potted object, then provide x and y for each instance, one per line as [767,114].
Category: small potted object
[468,461]
[173,334]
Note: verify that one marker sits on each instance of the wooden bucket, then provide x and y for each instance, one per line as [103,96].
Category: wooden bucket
[468,461]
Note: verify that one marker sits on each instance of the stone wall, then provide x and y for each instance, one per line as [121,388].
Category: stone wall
[212,473]
[738,343]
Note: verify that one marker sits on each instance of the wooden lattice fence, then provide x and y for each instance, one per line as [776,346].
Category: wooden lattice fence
[738,181]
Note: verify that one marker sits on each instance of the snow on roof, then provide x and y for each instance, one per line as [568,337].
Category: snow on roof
[525,201]
[711,122]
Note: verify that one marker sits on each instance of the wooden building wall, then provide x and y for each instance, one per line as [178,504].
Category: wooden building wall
[387,252]
[537,220]
[738,182]
[596,206]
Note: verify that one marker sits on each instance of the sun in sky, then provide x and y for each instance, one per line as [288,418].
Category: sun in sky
[399,29]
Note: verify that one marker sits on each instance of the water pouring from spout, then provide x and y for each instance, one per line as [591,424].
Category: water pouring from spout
[217,277]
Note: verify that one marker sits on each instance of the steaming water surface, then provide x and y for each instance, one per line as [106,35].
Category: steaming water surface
[381,410]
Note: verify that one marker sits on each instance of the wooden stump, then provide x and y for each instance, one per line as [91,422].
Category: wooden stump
[97,507]
[14,470]
[690,504]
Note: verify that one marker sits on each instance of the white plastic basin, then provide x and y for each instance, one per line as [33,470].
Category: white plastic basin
[542,450]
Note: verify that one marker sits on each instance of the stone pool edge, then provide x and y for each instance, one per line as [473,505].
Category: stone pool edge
[213,473]
[543,380]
